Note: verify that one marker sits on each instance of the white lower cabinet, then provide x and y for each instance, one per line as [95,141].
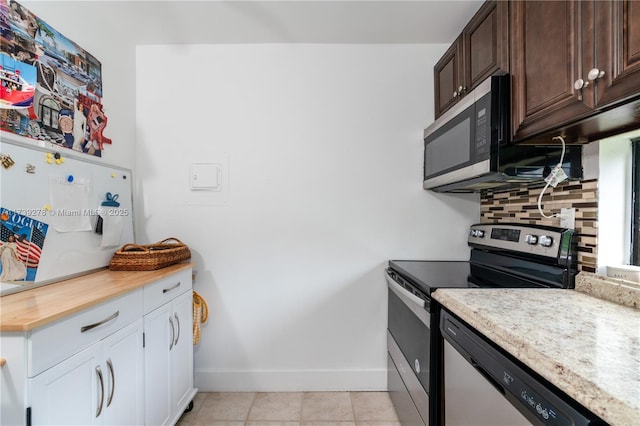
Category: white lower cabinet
[125,361]
[101,385]
[168,358]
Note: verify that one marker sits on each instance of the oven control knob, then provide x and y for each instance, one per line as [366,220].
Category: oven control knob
[478,233]
[546,241]
[531,239]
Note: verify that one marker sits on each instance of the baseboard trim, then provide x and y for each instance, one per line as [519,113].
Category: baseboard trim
[290,380]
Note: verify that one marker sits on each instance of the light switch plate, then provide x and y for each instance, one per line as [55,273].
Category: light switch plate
[205,177]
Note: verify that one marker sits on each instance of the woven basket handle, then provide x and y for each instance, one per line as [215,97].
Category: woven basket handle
[131,245]
[169,239]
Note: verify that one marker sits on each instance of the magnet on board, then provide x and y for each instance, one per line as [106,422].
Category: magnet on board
[6,161]
[111,200]
[70,178]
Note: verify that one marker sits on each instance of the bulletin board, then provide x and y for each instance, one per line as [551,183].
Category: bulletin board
[61,216]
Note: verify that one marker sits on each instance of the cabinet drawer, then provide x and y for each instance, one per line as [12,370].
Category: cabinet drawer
[166,289]
[52,343]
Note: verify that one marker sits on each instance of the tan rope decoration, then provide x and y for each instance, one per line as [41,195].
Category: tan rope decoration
[200,315]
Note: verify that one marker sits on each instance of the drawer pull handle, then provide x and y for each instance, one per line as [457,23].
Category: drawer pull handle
[99,323]
[167,290]
[113,382]
[173,333]
[178,333]
[99,374]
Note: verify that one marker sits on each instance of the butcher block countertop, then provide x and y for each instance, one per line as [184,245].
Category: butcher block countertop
[586,346]
[33,308]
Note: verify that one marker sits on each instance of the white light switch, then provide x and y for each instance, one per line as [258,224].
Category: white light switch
[205,177]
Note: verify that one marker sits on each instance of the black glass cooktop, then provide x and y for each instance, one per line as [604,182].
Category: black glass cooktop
[429,275]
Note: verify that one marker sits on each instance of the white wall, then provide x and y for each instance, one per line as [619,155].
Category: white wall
[321,147]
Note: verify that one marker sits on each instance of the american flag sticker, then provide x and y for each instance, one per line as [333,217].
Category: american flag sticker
[21,242]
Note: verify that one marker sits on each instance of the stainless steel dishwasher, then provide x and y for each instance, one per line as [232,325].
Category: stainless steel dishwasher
[485,386]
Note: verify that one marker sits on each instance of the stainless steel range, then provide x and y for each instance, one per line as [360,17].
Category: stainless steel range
[502,255]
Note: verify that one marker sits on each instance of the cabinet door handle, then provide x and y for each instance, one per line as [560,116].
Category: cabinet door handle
[173,333]
[580,84]
[167,290]
[595,74]
[99,323]
[178,333]
[101,401]
[113,382]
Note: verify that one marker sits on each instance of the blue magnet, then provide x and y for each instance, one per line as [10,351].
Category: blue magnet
[70,178]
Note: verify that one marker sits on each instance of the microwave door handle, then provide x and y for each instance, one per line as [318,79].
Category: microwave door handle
[413,302]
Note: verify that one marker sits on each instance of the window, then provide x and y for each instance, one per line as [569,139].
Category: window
[635,215]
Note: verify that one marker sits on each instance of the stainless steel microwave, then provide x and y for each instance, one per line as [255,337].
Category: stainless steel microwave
[468,148]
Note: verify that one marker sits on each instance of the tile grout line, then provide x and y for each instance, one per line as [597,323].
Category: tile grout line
[353,409]
[253,399]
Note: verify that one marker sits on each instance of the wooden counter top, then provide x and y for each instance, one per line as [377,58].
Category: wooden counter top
[39,306]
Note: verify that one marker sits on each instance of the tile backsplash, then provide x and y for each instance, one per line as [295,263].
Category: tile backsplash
[521,206]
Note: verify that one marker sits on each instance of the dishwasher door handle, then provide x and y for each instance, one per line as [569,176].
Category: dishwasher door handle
[413,302]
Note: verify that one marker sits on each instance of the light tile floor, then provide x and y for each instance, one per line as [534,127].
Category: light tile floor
[291,409]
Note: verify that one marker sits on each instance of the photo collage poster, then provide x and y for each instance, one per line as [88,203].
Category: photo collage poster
[51,87]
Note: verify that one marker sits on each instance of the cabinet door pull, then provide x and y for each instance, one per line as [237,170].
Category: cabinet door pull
[167,290]
[99,323]
[178,333]
[113,382]
[595,74]
[580,84]
[101,401]
[173,333]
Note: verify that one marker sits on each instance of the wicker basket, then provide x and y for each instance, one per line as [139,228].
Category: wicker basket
[133,257]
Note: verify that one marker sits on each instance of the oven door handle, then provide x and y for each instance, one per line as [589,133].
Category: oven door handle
[413,302]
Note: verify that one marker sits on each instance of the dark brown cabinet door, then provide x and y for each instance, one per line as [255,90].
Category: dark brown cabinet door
[447,75]
[617,40]
[486,41]
[546,60]
[480,51]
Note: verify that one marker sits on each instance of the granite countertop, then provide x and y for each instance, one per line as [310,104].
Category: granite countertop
[586,346]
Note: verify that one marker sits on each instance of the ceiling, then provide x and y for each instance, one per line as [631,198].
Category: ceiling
[208,21]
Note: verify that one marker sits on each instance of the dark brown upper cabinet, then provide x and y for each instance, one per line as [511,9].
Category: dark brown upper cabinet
[617,44]
[571,60]
[480,51]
